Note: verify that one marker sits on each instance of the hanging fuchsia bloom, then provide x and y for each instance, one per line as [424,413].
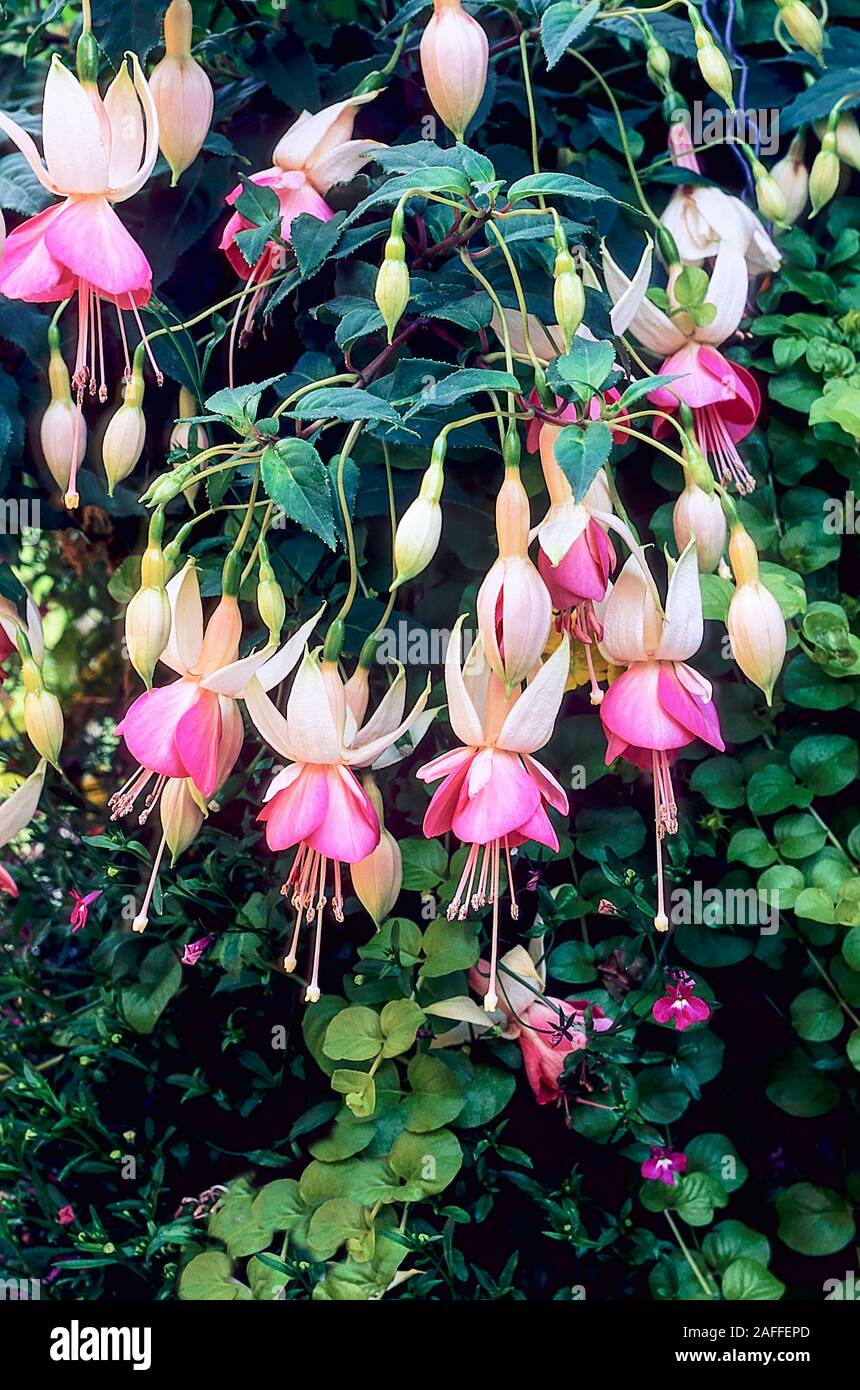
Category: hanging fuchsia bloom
[514,606]
[660,704]
[317,802]
[680,1006]
[495,793]
[194,949]
[7,883]
[81,908]
[702,218]
[546,1029]
[663,1165]
[722,395]
[316,153]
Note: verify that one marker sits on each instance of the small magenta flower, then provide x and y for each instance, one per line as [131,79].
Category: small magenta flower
[662,1165]
[194,950]
[82,904]
[65,1216]
[680,1005]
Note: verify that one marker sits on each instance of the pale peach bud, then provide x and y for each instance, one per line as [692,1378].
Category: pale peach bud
[147,630]
[377,879]
[792,178]
[713,64]
[454,55]
[757,633]
[125,435]
[181,815]
[803,26]
[182,93]
[63,431]
[43,716]
[824,175]
[514,606]
[700,516]
[180,437]
[420,527]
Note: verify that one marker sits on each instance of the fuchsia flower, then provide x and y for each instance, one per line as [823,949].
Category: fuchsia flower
[316,153]
[495,793]
[97,153]
[701,218]
[317,802]
[722,395]
[7,883]
[65,1216]
[546,1029]
[660,704]
[680,1005]
[81,908]
[17,811]
[194,949]
[662,1166]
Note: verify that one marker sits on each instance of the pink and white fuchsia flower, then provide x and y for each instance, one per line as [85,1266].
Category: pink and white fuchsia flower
[316,153]
[722,395]
[701,218]
[495,793]
[660,704]
[317,802]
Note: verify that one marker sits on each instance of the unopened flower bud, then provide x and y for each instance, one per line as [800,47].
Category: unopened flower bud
[568,297]
[803,26]
[181,815]
[392,284]
[701,516]
[454,55]
[271,603]
[757,633]
[713,64]
[848,139]
[769,196]
[419,528]
[824,175]
[182,93]
[43,716]
[125,435]
[791,176]
[148,618]
[181,436]
[658,63]
[377,879]
[63,430]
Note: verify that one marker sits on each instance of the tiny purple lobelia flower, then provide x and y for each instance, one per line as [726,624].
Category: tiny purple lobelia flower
[662,1165]
[194,950]
[680,1006]
[81,908]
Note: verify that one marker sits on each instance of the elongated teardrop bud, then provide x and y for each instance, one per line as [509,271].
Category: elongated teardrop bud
[392,281]
[63,429]
[420,527]
[148,617]
[713,64]
[182,93]
[454,56]
[824,175]
[791,177]
[568,296]
[125,435]
[271,604]
[803,26]
[43,715]
[755,623]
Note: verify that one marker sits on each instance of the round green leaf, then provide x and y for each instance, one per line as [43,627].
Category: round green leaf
[814,1220]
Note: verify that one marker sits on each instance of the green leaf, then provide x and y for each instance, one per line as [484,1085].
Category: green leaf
[814,1220]
[691,287]
[816,1016]
[826,762]
[770,789]
[697,1196]
[160,978]
[716,1155]
[750,846]
[587,364]
[748,1280]
[567,185]
[573,963]
[437,1096]
[798,836]
[488,1091]
[731,1240]
[399,1022]
[619,827]
[460,384]
[313,240]
[562,24]
[238,404]
[208,1278]
[817,101]
[425,864]
[358,1089]
[425,1163]
[354,1035]
[448,946]
[297,481]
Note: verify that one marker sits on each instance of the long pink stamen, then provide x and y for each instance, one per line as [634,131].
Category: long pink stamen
[159,375]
